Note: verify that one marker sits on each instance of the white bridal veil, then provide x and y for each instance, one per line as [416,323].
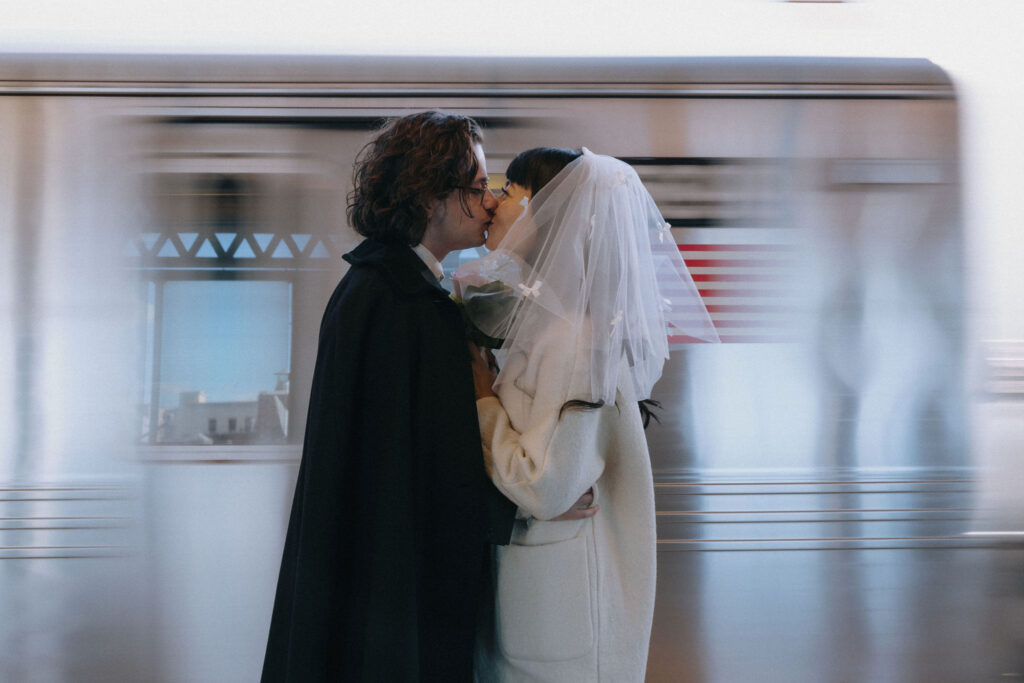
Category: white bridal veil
[592,258]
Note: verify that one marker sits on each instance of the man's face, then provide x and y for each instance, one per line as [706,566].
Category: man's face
[449,228]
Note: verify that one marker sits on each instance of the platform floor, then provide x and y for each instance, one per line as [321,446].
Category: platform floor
[194,604]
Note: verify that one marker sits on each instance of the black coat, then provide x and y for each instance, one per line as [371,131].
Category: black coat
[385,560]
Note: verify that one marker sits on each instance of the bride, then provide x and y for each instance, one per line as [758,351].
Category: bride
[581,284]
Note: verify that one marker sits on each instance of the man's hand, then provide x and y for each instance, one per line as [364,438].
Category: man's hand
[581,509]
[485,370]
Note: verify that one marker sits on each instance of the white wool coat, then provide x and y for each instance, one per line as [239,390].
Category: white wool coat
[573,600]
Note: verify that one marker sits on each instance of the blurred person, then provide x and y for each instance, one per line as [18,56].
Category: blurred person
[385,560]
[583,278]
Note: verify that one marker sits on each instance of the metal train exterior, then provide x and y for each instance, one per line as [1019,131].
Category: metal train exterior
[172,228]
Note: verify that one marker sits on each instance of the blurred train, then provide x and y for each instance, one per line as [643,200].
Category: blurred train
[172,228]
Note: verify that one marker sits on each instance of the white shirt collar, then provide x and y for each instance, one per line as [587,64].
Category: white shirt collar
[430,260]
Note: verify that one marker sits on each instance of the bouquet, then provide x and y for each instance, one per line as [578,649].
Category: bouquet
[485,297]
[483,302]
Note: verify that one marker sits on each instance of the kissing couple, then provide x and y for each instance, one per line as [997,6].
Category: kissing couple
[453,521]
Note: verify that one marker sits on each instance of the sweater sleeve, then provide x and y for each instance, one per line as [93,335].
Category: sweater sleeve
[546,467]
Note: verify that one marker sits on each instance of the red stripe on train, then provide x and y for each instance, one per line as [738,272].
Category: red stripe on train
[738,263]
[750,308]
[736,277]
[746,293]
[737,247]
[737,339]
[719,324]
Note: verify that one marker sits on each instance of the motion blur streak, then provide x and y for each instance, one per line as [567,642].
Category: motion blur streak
[837,483]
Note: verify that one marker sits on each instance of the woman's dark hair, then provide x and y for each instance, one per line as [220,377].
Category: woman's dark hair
[646,406]
[412,161]
[533,169]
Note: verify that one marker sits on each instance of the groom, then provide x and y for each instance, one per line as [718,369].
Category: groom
[386,558]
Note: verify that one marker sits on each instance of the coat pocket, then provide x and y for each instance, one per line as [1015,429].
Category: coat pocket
[544,601]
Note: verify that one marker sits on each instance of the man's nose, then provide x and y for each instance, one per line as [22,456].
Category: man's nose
[490,200]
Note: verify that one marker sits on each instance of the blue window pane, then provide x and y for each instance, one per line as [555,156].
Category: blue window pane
[225,355]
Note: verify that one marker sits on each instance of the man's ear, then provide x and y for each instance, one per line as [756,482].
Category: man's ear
[435,207]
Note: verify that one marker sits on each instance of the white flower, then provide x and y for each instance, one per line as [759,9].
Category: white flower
[615,322]
[533,291]
[663,231]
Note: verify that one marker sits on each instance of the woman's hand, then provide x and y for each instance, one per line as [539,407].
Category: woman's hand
[485,370]
[581,509]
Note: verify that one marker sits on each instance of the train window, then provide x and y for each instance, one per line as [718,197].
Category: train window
[202,376]
[220,261]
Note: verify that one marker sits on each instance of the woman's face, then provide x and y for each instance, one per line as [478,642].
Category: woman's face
[511,203]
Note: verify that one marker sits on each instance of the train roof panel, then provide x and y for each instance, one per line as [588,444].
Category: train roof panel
[184,74]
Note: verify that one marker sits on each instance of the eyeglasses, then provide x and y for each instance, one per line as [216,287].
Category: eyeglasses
[480,192]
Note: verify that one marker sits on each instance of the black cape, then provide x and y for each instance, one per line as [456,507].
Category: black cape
[385,560]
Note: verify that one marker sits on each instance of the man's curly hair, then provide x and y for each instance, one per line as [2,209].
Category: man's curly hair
[412,161]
